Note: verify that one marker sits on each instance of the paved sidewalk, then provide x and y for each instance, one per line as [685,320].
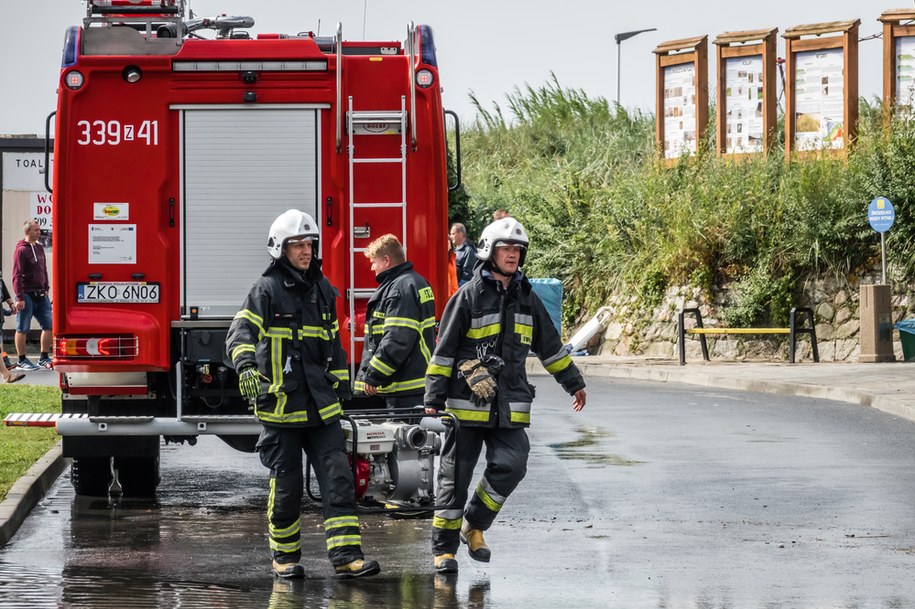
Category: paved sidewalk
[889,387]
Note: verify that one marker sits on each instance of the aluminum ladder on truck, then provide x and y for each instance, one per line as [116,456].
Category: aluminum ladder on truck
[366,123]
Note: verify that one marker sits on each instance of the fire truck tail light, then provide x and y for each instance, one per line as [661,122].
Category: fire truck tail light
[103,347]
[424,79]
[74,80]
[255,66]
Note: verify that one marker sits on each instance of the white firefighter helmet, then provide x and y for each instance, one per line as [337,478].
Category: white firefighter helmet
[506,231]
[291,224]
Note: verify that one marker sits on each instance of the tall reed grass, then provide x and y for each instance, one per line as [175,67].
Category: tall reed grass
[606,216]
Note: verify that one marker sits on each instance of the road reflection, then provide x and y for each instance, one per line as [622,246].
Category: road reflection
[201,544]
[407,592]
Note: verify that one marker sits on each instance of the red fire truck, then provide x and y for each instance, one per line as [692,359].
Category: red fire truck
[177,143]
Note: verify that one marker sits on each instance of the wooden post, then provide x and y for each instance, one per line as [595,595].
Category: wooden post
[847,42]
[692,55]
[765,52]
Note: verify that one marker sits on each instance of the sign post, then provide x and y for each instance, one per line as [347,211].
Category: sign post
[881,215]
[876,307]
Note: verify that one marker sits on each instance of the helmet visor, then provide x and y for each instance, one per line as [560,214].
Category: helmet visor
[300,239]
[508,243]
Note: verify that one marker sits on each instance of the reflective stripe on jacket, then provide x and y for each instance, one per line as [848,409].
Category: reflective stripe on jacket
[399,333]
[484,318]
[288,328]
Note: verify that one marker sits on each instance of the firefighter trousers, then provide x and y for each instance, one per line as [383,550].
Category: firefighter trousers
[280,449]
[506,464]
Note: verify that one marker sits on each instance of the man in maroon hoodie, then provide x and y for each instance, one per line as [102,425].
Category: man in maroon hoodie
[30,283]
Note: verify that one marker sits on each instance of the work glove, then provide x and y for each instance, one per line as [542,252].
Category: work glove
[480,380]
[249,382]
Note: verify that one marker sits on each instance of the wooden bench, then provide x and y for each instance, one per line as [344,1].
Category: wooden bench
[792,331]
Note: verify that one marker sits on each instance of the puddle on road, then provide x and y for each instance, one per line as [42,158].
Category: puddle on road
[81,586]
[582,449]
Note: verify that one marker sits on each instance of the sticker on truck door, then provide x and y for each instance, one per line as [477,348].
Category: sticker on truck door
[112,243]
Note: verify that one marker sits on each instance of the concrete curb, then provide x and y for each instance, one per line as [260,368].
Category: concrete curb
[28,491]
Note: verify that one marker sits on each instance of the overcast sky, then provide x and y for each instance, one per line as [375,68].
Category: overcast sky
[485,46]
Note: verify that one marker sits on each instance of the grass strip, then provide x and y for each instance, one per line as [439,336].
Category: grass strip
[21,447]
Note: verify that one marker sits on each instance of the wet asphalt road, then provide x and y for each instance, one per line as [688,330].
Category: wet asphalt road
[657,495]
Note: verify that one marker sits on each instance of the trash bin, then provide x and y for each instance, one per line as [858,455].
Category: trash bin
[550,292]
[906,329]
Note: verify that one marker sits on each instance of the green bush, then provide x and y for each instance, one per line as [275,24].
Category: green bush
[606,215]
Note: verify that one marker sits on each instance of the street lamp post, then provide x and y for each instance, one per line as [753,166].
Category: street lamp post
[619,38]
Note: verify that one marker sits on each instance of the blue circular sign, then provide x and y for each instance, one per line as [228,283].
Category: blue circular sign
[881,214]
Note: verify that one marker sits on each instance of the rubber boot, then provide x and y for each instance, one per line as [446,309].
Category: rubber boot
[288,570]
[445,563]
[358,568]
[476,545]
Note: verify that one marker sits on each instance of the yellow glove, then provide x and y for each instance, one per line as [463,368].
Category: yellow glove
[249,383]
[482,384]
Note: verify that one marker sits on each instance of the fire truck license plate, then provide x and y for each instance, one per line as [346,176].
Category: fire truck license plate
[118,292]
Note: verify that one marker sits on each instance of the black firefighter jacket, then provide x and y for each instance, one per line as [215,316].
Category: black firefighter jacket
[288,328]
[399,333]
[483,318]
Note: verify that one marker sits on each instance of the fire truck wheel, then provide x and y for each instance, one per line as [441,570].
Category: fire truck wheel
[138,476]
[90,475]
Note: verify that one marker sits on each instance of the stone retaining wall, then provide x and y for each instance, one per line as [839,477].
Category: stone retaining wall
[633,330]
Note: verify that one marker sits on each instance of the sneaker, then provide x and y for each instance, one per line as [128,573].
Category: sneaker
[445,563]
[6,362]
[27,364]
[288,570]
[358,568]
[476,545]
[45,362]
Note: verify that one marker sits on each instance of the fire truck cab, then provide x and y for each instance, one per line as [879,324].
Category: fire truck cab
[177,143]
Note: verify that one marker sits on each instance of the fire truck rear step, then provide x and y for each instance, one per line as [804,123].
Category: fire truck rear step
[81,424]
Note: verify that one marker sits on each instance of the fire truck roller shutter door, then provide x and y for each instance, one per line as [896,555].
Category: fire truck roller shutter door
[243,167]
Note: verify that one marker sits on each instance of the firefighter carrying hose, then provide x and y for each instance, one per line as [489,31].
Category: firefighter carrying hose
[399,328]
[285,347]
[478,373]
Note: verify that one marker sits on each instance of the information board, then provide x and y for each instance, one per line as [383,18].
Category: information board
[820,100]
[679,110]
[681,97]
[904,58]
[744,102]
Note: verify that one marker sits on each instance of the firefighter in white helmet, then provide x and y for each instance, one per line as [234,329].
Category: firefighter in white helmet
[285,347]
[478,373]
